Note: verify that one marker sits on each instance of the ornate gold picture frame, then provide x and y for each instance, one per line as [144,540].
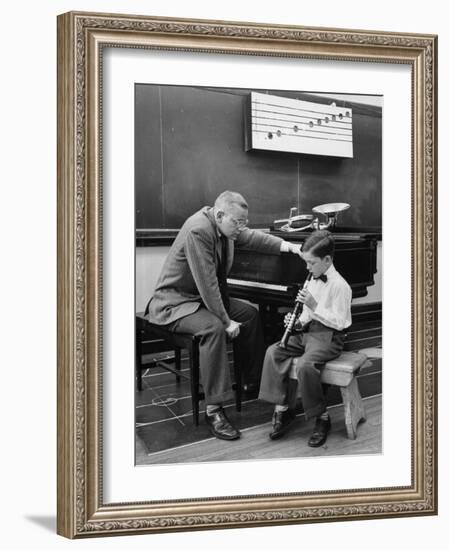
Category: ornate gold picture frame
[82,40]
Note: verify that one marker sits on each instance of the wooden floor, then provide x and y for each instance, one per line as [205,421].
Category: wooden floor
[255,443]
[164,415]
[165,432]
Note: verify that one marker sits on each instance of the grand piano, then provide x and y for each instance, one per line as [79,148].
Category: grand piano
[272,280]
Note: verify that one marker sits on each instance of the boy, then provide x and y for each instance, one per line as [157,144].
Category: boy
[318,338]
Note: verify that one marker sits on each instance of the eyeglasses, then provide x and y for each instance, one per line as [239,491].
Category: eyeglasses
[240,224]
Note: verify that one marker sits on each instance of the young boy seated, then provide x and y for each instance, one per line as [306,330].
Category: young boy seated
[317,338]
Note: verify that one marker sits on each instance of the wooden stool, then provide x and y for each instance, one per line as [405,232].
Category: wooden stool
[149,332]
[342,372]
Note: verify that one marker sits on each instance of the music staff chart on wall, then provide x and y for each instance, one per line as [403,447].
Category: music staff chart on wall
[297,126]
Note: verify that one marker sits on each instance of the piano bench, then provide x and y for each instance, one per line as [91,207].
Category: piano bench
[342,372]
[153,335]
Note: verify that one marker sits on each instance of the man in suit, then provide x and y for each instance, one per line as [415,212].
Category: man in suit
[191,297]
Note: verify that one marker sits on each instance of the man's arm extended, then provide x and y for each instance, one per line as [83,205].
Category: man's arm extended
[259,240]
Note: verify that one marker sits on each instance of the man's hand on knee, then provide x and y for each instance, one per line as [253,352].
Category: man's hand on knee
[233,329]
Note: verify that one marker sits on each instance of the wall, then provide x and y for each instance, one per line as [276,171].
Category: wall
[190,147]
[28,290]
[149,261]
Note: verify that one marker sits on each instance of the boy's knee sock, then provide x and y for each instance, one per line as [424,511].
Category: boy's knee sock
[292,393]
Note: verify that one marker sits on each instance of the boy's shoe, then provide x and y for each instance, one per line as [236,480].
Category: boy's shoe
[319,434]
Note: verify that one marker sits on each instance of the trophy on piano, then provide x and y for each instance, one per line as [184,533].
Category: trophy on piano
[301,222]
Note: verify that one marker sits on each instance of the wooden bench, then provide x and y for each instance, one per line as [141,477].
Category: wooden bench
[151,338]
[342,372]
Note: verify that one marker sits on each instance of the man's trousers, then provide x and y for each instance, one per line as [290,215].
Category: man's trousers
[214,366]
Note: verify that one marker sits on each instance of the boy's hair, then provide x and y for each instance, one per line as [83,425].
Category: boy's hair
[320,243]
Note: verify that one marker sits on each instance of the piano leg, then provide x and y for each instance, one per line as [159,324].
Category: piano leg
[271,322]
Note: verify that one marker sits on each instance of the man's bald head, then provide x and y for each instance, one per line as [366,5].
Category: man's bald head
[228,200]
[231,214]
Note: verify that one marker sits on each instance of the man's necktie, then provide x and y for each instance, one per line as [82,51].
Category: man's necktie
[323,277]
[222,276]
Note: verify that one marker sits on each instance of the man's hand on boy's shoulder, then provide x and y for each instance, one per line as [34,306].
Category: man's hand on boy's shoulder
[291,247]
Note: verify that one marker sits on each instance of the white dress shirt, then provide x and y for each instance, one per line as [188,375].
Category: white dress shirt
[333,299]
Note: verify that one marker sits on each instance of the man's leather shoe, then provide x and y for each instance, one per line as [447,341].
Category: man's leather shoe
[281,422]
[220,427]
[319,434]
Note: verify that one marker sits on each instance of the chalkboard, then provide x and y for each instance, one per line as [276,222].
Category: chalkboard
[190,146]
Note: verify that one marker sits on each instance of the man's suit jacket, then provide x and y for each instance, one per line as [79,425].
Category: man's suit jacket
[189,274]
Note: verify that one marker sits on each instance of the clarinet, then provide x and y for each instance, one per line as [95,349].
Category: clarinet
[295,314]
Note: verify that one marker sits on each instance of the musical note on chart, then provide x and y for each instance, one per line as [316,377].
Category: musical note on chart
[298,126]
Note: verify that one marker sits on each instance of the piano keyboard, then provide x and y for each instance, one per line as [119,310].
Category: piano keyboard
[255,284]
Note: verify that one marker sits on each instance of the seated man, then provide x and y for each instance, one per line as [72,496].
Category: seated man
[191,297]
[318,338]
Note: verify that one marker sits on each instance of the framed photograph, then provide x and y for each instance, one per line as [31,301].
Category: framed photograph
[317,129]
[291,154]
